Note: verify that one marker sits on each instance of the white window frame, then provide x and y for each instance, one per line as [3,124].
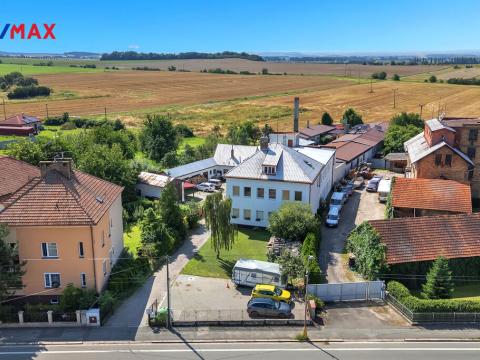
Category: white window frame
[83,280]
[47,255]
[49,286]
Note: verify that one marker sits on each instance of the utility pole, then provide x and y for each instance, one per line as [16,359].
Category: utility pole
[394,95]
[46,108]
[169,319]
[421,109]
[4,111]
[105,113]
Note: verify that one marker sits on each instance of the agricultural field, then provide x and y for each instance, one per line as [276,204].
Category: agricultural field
[34,70]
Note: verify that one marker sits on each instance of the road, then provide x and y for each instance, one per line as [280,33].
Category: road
[263,351]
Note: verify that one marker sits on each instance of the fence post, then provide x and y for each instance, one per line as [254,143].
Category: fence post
[79,318]
[20,317]
[50,316]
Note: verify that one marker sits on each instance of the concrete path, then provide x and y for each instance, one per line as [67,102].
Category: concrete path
[131,312]
[361,206]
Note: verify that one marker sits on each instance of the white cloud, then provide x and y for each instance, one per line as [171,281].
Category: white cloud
[135,47]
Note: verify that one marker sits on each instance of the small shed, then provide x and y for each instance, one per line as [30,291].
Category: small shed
[396,162]
[151,185]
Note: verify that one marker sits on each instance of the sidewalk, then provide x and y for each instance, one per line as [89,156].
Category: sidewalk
[131,313]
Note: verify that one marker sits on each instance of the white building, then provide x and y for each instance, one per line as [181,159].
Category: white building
[226,157]
[275,174]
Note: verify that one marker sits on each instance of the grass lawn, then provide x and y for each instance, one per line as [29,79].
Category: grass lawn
[251,244]
[467,292]
[192,141]
[32,70]
[131,239]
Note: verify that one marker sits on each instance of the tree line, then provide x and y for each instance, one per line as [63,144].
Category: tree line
[133,55]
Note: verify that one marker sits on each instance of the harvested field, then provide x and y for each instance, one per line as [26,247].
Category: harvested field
[124,91]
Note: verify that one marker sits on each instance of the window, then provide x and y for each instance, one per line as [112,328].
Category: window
[286,195]
[52,280]
[247,214]
[236,190]
[471,152]
[448,160]
[247,191]
[298,196]
[49,250]
[235,213]
[438,159]
[103,238]
[104,267]
[259,216]
[83,280]
[272,193]
[260,193]
[473,134]
[270,170]
[81,251]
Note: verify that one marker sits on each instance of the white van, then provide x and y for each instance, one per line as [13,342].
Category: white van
[250,272]
[217,183]
[384,187]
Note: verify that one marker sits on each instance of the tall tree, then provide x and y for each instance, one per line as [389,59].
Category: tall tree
[217,218]
[245,133]
[158,137]
[170,211]
[326,119]
[396,136]
[405,119]
[351,117]
[439,283]
[12,269]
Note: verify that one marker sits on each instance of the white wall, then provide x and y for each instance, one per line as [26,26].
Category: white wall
[266,205]
[149,190]
[322,185]
[116,228]
[340,171]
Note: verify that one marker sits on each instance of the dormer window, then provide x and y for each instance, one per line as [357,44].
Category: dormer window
[270,170]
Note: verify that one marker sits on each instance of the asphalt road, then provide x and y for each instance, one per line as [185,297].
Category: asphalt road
[263,351]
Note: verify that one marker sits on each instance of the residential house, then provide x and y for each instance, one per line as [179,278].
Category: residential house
[67,224]
[427,197]
[226,157]
[22,125]
[276,174]
[433,154]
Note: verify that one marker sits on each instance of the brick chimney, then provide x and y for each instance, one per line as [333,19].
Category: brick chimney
[296,110]
[63,166]
[264,143]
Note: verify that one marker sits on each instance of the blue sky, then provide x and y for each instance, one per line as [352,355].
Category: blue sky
[255,26]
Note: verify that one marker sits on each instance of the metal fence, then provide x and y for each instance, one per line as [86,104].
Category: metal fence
[432,317]
[355,291]
[35,316]
[64,316]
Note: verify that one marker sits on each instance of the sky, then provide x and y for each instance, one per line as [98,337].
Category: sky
[348,26]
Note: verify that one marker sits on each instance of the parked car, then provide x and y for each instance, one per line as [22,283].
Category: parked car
[206,186]
[271,292]
[215,182]
[372,184]
[268,308]
[333,216]
[348,189]
[358,182]
[338,199]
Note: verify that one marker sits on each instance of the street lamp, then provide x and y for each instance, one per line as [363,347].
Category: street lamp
[305,335]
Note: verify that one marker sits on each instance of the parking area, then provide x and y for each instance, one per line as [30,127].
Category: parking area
[200,298]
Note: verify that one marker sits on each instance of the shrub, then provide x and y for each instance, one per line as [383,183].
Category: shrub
[439,283]
[191,212]
[107,302]
[396,77]
[74,298]
[24,92]
[432,79]
[382,75]
[160,319]
[184,131]
[318,302]
[416,305]
[293,221]
[57,120]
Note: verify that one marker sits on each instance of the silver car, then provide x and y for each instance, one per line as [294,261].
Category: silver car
[268,308]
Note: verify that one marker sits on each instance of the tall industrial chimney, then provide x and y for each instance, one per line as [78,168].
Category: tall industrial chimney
[296,105]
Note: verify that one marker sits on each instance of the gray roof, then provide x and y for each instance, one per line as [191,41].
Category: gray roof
[396,156]
[435,124]
[223,154]
[293,165]
[250,264]
[417,148]
[190,168]
[153,179]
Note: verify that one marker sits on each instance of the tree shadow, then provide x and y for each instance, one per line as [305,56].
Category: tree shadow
[226,265]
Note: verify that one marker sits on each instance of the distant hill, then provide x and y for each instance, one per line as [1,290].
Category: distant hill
[70,55]
[133,55]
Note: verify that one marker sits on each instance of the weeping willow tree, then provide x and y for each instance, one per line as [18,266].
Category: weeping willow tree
[217,218]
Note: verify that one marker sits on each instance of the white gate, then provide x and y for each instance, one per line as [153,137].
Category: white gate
[355,291]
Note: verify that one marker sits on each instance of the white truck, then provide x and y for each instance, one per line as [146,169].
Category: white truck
[384,187]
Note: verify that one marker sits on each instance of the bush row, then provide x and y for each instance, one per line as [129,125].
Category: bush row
[24,92]
[417,305]
[310,247]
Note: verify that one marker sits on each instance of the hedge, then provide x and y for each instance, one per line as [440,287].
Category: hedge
[417,305]
[310,247]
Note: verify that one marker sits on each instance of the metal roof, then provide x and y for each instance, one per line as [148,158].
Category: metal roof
[153,179]
[435,124]
[191,168]
[223,154]
[250,264]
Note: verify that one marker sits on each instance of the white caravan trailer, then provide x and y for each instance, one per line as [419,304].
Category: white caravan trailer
[384,187]
[250,272]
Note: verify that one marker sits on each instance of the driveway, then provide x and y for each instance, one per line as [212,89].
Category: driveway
[361,206]
[131,312]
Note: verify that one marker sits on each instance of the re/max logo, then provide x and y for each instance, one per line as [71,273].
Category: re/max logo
[19,31]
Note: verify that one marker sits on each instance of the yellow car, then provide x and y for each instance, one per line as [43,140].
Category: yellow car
[272,292]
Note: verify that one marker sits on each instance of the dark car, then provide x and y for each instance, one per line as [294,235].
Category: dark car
[373,183]
[268,308]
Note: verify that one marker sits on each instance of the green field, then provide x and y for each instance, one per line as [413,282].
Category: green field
[192,141]
[33,70]
[251,244]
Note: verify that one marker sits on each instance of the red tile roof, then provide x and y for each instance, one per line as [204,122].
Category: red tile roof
[56,200]
[14,174]
[348,151]
[426,238]
[432,194]
[19,120]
